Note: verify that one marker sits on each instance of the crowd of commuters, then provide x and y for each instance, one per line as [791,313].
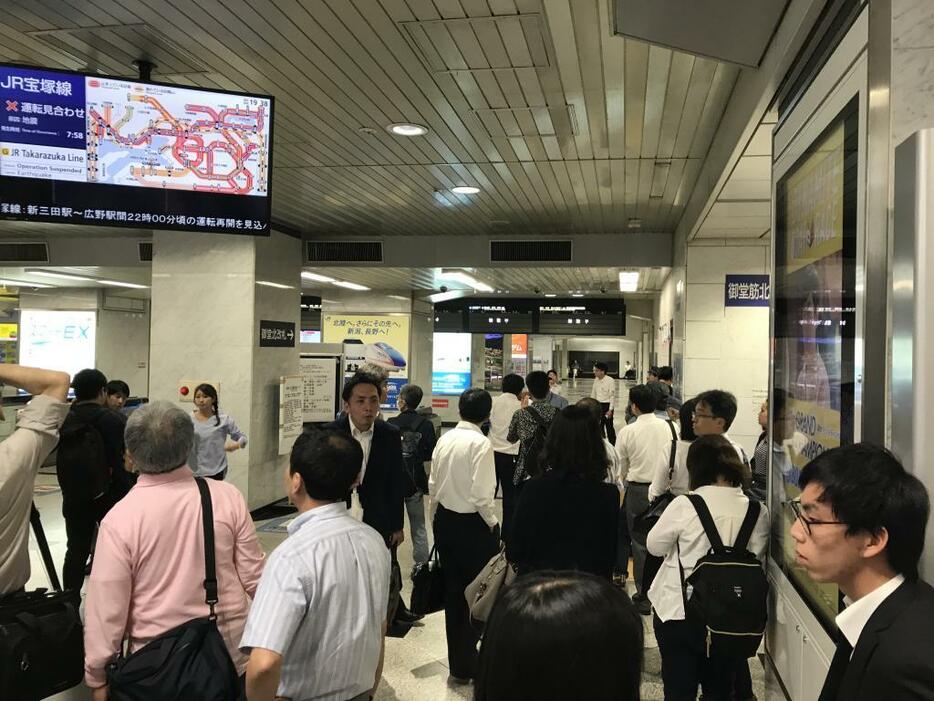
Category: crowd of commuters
[310,620]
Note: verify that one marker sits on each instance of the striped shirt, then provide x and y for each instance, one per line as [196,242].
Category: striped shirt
[321,604]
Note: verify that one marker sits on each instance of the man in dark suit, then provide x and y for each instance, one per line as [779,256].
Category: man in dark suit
[382,482]
[860,523]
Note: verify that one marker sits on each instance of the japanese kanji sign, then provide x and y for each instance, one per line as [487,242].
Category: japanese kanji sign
[747,291]
[276,334]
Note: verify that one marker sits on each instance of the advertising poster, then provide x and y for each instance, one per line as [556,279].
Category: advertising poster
[58,340]
[450,372]
[493,362]
[520,353]
[381,339]
[814,328]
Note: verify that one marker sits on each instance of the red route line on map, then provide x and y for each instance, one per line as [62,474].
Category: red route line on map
[189,141]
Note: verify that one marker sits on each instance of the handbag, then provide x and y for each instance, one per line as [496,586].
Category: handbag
[483,591]
[41,637]
[190,661]
[395,585]
[644,522]
[428,586]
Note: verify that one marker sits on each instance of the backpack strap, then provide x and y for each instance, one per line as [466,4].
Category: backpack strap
[674,450]
[710,528]
[207,523]
[537,418]
[749,523]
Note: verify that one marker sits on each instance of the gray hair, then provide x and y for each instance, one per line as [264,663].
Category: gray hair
[159,437]
[380,373]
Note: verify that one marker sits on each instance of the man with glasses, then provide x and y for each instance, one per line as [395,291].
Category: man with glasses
[713,416]
[860,523]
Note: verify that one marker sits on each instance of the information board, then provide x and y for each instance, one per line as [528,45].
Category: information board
[90,149]
[319,387]
[291,410]
[450,363]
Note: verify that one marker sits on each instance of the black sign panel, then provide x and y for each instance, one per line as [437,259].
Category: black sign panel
[276,334]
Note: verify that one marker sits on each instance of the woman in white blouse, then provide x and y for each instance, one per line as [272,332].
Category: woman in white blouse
[716,474]
[678,482]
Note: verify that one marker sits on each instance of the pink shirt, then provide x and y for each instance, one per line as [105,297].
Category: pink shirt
[149,567]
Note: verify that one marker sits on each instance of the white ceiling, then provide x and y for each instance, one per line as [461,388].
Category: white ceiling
[564,127]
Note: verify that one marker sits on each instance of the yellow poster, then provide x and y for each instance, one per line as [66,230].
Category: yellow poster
[380,339]
[815,204]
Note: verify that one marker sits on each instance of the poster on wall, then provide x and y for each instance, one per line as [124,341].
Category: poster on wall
[493,362]
[381,339]
[319,387]
[520,353]
[291,407]
[58,340]
[815,325]
[450,367]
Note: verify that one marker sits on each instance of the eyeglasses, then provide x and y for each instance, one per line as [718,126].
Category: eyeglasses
[808,522]
[697,416]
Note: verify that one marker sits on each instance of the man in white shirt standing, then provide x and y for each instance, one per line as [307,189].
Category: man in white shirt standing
[860,523]
[504,452]
[643,446]
[316,626]
[466,529]
[604,391]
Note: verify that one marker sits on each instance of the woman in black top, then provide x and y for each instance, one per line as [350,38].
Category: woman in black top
[566,518]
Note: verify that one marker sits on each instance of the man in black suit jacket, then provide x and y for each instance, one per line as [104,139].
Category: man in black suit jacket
[860,523]
[383,484]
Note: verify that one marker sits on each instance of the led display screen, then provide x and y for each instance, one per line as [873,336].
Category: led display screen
[90,149]
[450,363]
[58,340]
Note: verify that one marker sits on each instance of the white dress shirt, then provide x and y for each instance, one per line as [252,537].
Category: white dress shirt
[680,482]
[680,524]
[365,439]
[321,604]
[740,451]
[856,615]
[504,406]
[463,473]
[612,470]
[604,390]
[642,446]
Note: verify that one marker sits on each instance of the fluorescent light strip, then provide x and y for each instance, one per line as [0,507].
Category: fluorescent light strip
[18,283]
[277,285]
[117,283]
[465,279]
[316,277]
[350,285]
[60,276]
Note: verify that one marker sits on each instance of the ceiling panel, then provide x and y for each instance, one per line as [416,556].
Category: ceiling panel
[559,122]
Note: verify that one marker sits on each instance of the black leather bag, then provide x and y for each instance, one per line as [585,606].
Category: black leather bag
[428,586]
[41,636]
[190,661]
[645,522]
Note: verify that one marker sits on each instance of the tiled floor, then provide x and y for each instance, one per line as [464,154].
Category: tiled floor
[415,667]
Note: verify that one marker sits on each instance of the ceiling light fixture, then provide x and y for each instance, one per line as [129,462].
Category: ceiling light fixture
[315,277]
[277,285]
[60,276]
[464,278]
[404,299]
[406,129]
[465,190]
[350,285]
[5,282]
[577,294]
[117,283]
[550,294]
[629,281]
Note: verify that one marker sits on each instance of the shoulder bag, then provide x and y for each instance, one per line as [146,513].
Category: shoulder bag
[483,591]
[190,661]
[644,522]
[41,636]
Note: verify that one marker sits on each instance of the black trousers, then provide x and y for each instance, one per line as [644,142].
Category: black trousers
[505,471]
[81,519]
[685,664]
[465,544]
[608,422]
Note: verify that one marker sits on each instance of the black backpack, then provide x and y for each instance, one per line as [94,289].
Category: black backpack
[728,590]
[81,460]
[533,465]
[413,458]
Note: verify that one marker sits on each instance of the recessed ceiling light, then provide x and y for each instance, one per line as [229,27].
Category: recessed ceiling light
[629,281]
[550,294]
[407,129]
[465,190]
[317,278]
[577,294]
[277,285]
[351,285]
[404,299]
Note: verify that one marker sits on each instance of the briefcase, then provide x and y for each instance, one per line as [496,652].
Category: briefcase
[428,586]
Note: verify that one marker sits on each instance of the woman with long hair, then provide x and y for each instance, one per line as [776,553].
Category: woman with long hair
[216,434]
[566,518]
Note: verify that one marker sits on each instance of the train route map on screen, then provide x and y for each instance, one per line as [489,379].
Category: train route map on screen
[162,136]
